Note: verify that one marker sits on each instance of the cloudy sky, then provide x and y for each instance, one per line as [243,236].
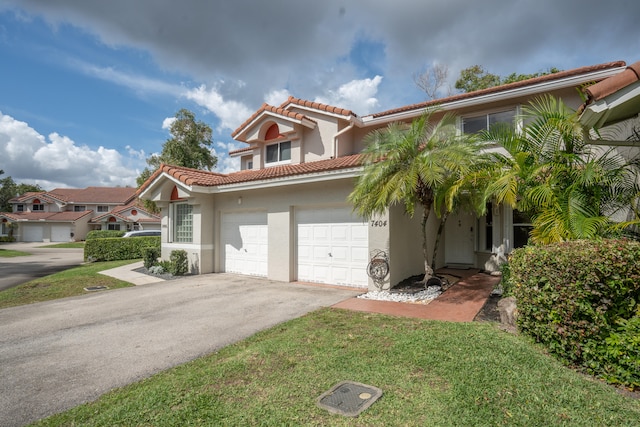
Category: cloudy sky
[86,86]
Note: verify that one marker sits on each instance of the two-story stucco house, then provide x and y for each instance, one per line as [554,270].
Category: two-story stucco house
[284,215]
[68,214]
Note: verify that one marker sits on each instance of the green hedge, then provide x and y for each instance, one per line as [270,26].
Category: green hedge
[113,249]
[581,300]
[103,234]
[7,239]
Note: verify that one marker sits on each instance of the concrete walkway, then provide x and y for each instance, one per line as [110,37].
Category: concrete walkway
[127,274]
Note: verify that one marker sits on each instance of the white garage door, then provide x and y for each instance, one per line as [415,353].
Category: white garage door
[244,243]
[333,247]
[32,233]
[60,233]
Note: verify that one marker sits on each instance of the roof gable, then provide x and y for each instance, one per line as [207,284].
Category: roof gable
[269,111]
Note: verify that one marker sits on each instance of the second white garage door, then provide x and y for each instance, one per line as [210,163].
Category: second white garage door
[244,242]
[333,247]
[60,233]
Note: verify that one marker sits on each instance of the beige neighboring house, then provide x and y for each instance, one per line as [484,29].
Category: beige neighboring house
[284,215]
[68,214]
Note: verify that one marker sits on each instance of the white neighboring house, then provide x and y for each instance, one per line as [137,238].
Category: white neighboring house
[284,215]
[68,214]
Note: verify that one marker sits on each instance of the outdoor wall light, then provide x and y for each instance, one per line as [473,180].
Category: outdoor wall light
[240,200]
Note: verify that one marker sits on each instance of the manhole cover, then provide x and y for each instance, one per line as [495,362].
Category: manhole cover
[95,288]
[349,398]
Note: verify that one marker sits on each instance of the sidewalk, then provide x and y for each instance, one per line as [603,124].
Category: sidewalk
[127,274]
[460,303]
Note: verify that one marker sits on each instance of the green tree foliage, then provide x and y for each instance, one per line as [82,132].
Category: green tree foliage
[477,78]
[413,165]
[189,146]
[570,188]
[10,189]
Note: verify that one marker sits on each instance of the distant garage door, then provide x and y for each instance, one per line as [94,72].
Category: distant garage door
[245,243]
[32,233]
[60,233]
[333,247]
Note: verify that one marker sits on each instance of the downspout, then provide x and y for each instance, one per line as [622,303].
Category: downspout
[334,148]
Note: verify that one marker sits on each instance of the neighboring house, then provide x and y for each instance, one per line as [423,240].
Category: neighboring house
[284,215]
[68,214]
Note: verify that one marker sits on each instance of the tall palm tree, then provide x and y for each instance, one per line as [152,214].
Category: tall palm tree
[410,164]
[570,188]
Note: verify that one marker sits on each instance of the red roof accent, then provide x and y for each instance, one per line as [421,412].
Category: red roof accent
[119,195]
[317,106]
[196,177]
[241,150]
[502,88]
[613,84]
[66,216]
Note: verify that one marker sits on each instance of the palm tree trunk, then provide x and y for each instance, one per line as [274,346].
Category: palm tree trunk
[428,271]
[443,220]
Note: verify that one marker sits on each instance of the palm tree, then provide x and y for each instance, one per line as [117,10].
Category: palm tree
[413,165]
[570,188]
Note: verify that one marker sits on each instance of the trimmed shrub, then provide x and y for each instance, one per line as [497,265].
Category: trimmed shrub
[7,239]
[103,234]
[150,256]
[578,298]
[179,262]
[113,249]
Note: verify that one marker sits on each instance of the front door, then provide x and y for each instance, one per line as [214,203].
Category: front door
[459,235]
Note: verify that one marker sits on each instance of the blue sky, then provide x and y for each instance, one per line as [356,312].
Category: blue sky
[86,87]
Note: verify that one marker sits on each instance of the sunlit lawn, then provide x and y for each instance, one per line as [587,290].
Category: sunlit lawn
[10,253]
[431,374]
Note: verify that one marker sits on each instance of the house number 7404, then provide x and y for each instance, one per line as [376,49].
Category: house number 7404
[379,223]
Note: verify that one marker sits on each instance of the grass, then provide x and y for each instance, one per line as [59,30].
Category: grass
[431,373]
[69,245]
[10,253]
[66,283]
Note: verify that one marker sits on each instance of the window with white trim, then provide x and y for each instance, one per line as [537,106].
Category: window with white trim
[482,122]
[19,208]
[79,208]
[182,222]
[278,153]
[521,229]
[112,226]
[39,207]
[103,208]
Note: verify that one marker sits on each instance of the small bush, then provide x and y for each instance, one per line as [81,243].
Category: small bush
[179,262]
[103,234]
[150,256]
[156,269]
[579,298]
[113,249]
[7,239]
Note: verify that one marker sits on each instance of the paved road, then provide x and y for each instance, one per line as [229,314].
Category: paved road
[56,355]
[41,262]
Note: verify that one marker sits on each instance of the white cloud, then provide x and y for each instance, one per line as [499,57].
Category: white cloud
[230,113]
[277,97]
[356,95]
[166,123]
[57,161]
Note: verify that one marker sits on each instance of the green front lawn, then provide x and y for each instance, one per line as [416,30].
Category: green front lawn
[63,284]
[431,373]
[10,253]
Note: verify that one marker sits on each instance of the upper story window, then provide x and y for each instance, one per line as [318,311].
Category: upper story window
[79,208]
[19,208]
[39,207]
[279,152]
[476,124]
[103,208]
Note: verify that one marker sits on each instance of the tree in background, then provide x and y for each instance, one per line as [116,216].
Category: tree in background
[10,189]
[189,146]
[477,78]
[411,164]
[432,79]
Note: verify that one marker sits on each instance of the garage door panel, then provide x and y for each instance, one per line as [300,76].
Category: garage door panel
[60,233]
[244,238]
[34,233]
[332,247]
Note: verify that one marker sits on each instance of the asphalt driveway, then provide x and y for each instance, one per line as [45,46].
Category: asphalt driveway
[56,355]
[41,262]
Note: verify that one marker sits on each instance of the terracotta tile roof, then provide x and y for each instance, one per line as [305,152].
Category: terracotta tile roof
[118,213]
[240,150]
[29,195]
[613,84]
[270,108]
[196,177]
[510,86]
[317,106]
[119,195]
[66,216]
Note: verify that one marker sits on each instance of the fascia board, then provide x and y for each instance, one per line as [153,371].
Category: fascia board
[156,183]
